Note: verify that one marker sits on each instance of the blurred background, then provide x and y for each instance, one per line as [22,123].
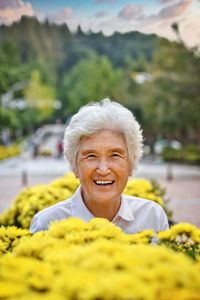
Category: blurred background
[55,58]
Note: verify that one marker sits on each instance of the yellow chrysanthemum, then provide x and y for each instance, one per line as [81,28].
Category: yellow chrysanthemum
[68,181]
[96,260]
[143,188]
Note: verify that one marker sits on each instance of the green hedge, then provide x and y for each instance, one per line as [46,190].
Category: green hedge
[189,154]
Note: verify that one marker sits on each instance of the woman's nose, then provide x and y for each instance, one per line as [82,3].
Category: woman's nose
[103,167]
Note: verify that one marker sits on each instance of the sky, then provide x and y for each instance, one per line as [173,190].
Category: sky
[108,16]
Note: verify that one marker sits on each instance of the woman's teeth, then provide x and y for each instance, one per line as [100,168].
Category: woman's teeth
[100,182]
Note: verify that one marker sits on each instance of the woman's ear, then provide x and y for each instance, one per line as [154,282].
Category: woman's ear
[76,176]
[130,169]
[75,171]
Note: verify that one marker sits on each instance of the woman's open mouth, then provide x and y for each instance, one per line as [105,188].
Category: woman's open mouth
[103,182]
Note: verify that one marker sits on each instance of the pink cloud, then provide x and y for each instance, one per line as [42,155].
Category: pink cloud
[11,4]
[13,10]
[131,11]
[60,16]
[175,10]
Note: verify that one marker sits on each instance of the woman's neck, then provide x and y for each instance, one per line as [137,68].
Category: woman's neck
[103,210]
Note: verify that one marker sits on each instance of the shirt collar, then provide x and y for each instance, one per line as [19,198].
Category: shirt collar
[125,211]
[79,208]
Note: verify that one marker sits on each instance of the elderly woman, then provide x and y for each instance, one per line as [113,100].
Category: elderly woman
[103,144]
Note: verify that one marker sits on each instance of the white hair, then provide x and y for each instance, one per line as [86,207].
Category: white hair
[97,116]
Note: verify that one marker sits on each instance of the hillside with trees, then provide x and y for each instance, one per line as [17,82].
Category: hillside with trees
[48,72]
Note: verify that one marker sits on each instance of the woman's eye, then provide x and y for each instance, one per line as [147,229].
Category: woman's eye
[115,155]
[90,156]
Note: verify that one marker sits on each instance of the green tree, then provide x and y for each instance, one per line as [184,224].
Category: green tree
[40,97]
[11,70]
[179,80]
[171,100]
[8,118]
[90,80]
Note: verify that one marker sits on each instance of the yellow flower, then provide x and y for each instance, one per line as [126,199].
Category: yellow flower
[164,235]
[11,289]
[143,188]
[185,232]
[96,260]
[9,151]
[10,237]
[62,228]
[68,181]
[30,201]
[144,237]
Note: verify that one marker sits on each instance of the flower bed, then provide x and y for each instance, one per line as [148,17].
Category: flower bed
[9,151]
[96,260]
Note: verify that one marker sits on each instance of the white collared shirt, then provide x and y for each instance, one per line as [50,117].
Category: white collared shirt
[134,215]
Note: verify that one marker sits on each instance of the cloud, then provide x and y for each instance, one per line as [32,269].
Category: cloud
[130,11]
[101,14]
[104,1]
[190,29]
[175,10]
[166,1]
[13,10]
[136,18]
[11,4]
[60,16]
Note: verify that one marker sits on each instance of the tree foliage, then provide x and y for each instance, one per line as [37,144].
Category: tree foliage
[90,80]
[39,96]
[11,69]
[176,90]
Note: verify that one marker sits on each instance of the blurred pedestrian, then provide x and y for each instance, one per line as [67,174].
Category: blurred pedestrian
[35,146]
[59,148]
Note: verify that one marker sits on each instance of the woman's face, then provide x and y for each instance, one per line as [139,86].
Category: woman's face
[103,167]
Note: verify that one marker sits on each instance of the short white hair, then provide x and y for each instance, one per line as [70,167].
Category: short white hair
[103,115]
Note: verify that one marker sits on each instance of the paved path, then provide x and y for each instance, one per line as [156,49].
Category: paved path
[183,190]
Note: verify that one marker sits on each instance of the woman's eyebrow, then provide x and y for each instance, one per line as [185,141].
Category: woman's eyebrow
[117,150]
[86,151]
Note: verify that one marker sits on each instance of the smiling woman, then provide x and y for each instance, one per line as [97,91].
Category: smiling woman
[103,144]
[103,170]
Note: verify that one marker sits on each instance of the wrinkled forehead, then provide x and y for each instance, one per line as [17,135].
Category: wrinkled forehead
[105,140]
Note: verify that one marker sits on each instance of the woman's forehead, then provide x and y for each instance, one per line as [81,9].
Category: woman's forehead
[102,134]
[105,139]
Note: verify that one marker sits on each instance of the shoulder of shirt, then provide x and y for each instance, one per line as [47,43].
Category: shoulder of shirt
[140,202]
[55,207]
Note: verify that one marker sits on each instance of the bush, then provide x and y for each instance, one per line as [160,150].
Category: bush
[189,154]
[182,237]
[45,152]
[9,151]
[29,202]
